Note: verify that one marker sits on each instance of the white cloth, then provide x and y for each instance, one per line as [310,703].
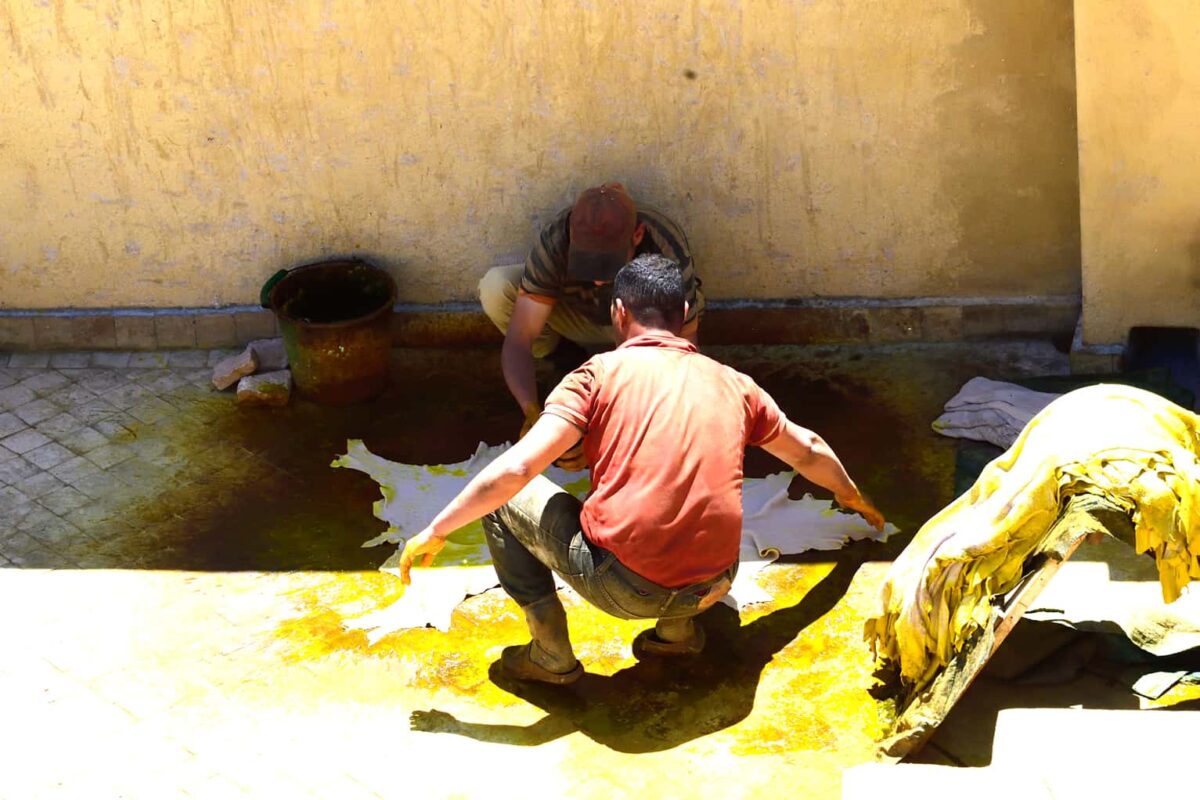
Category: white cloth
[990,411]
[414,493]
[773,525]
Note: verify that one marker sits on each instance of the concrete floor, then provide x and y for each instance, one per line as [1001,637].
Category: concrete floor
[176,570]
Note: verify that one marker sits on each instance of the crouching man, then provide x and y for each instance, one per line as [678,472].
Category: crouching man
[664,430]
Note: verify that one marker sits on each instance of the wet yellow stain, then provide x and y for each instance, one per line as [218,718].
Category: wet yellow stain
[1180,693]
[317,635]
[465,547]
[784,692]
[822,678]
[442,469]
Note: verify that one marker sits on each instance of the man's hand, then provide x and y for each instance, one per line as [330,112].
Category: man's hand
[574,460]
[861,505]
[532,412]
[424,544]
[432,721]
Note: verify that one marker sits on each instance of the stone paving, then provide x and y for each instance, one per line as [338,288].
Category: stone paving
[77,437]
[174,572]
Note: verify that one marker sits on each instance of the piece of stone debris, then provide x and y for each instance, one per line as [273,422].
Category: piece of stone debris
[265,389]
[230,370]
[270,354]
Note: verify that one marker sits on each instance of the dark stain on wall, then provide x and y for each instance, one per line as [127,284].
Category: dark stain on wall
[1010,154]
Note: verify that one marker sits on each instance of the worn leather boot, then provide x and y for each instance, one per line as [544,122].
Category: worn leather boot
[678,636]
[549,657]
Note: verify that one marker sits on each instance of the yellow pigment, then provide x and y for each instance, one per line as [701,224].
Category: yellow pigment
[797,693]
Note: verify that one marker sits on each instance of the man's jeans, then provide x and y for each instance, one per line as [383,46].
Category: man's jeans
[538,531]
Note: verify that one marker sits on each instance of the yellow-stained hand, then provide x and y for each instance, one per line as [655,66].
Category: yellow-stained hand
[532,412]
[425,546]
[860,504]
[432,721]
[574,460]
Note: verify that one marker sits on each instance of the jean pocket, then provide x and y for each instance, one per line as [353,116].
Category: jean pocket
[581,558]
[603,599]
[633,602]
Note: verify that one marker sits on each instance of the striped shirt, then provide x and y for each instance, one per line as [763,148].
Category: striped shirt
[545,277]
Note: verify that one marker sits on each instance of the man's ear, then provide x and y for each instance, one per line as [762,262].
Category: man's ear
[639,233]
[617,312]
[686,309]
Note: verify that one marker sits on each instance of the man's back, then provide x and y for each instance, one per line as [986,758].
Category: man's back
[665,432]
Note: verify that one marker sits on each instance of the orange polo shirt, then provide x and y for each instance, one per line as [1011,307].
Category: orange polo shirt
[665,431]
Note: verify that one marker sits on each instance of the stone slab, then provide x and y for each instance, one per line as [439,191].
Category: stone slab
[230,370]
[265,389]
[270,354]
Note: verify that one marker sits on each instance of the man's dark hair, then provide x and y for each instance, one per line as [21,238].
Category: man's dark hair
[651,289]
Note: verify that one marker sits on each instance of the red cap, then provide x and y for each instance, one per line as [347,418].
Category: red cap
[602,223]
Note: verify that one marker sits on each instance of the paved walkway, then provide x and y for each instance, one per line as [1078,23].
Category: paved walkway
[78,443]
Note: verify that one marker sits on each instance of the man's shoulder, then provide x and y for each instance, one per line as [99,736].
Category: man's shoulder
[666,234]
[651,365]
[641,355]
[655,216]
[720,371]
[546,265]
[559,221]
[555,236]
[657,220]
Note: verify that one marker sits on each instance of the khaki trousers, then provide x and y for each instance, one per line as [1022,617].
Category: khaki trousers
[498,293]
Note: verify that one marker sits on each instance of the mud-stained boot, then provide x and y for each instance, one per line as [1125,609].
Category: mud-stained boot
[549,657]
[679,636]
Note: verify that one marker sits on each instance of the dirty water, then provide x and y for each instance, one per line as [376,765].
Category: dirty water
[790,681]
[256,492]
[332,292]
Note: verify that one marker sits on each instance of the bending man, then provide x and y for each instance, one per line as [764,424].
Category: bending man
[565,286]
[665,430]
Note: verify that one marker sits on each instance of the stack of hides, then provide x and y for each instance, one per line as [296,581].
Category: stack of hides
[1127,445]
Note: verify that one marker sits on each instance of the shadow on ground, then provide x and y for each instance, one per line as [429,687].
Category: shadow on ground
[1046,665]
[660,703]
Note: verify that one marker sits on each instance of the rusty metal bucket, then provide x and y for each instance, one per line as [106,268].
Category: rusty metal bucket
[335,317]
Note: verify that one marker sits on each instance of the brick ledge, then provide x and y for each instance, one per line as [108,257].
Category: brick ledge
[808,321]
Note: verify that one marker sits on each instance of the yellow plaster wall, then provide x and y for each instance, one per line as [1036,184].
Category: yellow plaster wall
[1139,164]
[157,153]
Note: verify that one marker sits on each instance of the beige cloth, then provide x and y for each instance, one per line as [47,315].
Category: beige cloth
[991,411]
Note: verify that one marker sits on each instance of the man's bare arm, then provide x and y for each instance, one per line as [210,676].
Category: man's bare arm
[810,455]
[516,359]
[495,485]
[499,482]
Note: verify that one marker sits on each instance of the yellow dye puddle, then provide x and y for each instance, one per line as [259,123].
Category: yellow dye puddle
[791,680]
[1179,694]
